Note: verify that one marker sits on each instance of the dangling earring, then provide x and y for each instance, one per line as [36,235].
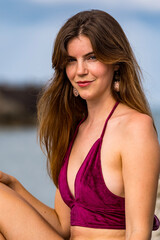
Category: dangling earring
[116,80]
[116,86]
[75,92]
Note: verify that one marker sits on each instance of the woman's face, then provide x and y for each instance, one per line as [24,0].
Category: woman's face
[88,75]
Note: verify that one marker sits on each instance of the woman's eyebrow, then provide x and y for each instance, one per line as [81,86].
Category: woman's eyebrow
[86,55]
[90,53]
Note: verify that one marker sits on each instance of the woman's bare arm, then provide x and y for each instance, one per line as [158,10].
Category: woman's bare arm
[141,167]
[59,217]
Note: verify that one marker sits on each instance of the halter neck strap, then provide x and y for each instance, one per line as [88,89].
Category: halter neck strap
[109,116]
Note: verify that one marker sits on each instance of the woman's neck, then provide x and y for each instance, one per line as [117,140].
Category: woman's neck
[98,110]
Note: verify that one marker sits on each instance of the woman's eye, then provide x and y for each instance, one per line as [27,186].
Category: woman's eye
[70,60]
[92,57]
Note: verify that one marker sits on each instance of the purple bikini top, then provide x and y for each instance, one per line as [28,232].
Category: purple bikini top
[94,205]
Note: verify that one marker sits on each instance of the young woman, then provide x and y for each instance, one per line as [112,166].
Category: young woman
[102,147]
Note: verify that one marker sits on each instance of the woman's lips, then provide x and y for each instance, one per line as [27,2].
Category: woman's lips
[84,83]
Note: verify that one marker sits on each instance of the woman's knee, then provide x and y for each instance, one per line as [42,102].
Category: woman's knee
[4,188]
[3,195]
[6,195]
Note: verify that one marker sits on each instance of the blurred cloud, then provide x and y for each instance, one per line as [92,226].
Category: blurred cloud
[153,5]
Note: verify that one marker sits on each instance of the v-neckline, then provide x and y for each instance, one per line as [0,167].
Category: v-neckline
[71,145]
[76,177]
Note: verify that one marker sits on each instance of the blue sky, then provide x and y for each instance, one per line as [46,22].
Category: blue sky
[28,29]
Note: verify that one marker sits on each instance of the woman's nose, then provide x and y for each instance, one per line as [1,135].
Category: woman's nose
[82,68]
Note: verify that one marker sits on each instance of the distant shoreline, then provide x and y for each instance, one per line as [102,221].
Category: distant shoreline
[18,105]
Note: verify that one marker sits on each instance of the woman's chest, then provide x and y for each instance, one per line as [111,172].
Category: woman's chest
[96,159]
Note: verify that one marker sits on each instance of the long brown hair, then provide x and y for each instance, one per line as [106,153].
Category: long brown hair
[58,109]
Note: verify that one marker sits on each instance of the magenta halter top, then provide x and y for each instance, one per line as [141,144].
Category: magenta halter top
[94,205]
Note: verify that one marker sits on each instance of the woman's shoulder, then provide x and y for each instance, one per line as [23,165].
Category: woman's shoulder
[137,134]
[133,122]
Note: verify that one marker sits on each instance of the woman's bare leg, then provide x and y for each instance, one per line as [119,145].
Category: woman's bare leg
[19,220]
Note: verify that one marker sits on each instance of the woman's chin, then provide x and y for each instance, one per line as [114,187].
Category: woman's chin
[86,97]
